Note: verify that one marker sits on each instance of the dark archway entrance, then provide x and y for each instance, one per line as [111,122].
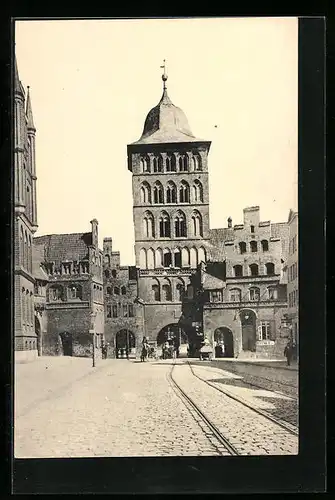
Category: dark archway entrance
[225,342]
[248,321]
[67,343]
[125,344]
[38,335]
[185,340]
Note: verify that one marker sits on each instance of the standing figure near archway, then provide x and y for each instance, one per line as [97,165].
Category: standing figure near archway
[248,321]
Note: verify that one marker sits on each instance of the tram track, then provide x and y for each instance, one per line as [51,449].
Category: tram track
[284,425]
[193,407]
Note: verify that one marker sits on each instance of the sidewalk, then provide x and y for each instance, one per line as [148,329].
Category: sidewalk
[273,363]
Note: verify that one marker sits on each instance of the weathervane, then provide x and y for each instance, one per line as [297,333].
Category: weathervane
[164,75]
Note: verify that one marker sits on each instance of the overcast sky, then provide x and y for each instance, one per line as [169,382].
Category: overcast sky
[92,83]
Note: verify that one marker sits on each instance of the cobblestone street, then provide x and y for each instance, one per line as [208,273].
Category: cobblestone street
[66,408]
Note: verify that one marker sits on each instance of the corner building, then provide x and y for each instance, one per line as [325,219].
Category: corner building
[171,214]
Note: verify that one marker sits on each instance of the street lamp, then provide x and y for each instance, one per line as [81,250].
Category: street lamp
[92,332]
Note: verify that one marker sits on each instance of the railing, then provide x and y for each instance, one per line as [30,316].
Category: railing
[167,271]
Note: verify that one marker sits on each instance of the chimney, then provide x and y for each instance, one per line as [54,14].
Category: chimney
[230,221]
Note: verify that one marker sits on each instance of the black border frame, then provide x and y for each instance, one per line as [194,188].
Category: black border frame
[273,474]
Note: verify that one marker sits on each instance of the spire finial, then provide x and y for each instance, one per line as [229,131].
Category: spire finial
[164,75]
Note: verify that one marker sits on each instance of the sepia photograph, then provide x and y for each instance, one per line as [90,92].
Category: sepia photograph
[156,297]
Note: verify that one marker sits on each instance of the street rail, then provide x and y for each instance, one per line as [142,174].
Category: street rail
[191,405]
[285,425]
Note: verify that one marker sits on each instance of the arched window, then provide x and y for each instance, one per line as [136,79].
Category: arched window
[21,256]
[243,247]
[238,271]
[55,293]
[180,225]
[155,291]
[106,273]
[167,257]
[148,225]
[196,162]
[235,295]
[25,250]
[272,293]
[270,269]
[201,255]
[123,290]
[177,258]
[171,193]
[151,258]
[265,245]
[170,163]
[190,291]
[116,290]
[145,192]
[29,253]
[164,225]
[143,258]
[253,269]
[197,223]
[158,193]
[253,246]
[180,289]
[109,290]
[113,273]
[145,163]
[193,257]
[159,257]
[166,291]
[184,192]
[107,260]
[254,294]
[183,163]
[198,191]
[157,163]
[185,257]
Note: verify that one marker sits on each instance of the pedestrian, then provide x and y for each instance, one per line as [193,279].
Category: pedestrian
[288,351]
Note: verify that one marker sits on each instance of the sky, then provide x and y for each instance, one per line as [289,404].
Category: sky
[92,83]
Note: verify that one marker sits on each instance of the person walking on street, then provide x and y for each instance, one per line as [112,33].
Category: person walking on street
[288,351]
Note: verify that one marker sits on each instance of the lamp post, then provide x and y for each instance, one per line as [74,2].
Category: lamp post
[92,331]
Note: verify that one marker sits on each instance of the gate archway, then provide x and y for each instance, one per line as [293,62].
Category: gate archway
[184,339]
[125,342]
[38,335]
[223,336]
[248,322]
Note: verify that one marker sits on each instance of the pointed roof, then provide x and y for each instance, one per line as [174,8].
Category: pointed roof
[29,112]
[18,87]
[166,123]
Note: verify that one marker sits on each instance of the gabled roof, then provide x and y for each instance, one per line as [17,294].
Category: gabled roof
[38,258]
[62,247]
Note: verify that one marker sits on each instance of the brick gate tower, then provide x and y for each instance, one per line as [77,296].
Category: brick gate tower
[171,212]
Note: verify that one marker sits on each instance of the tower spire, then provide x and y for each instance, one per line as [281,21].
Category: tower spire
[164,75]
[29,112]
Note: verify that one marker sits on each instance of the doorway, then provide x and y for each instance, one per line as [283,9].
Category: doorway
[224,339]
[67,343]
[125,343]
[248,321]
